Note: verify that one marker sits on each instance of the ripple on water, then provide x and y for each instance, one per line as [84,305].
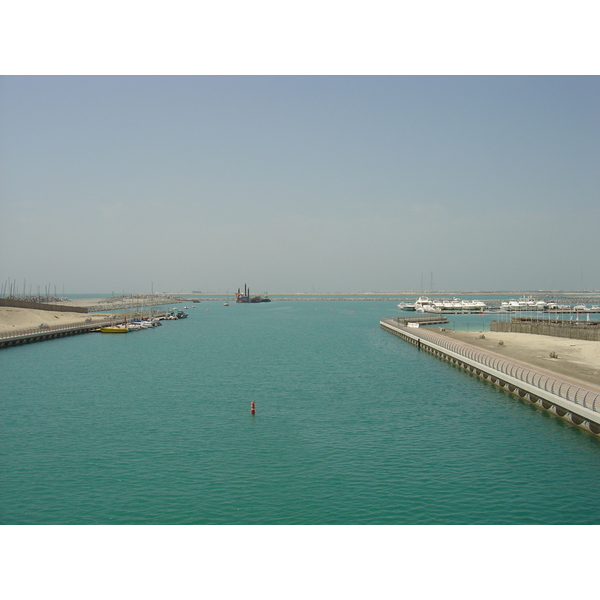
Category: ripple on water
[352,426]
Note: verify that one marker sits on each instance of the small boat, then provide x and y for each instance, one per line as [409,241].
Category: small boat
[406,306]
[143,324]
[175,314]
[115,329]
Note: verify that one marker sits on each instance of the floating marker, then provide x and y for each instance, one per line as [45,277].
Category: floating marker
[252,408]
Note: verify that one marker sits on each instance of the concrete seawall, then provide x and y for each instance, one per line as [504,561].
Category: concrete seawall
[573,401]
[41,306]
[21,337]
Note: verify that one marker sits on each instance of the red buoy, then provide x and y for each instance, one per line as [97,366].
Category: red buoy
[252,408]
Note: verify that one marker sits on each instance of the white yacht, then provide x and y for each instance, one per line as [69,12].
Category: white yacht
[446,305]
[419,305]
[424,304]
[474,305]
[525,303]
[455,306]
[406,306]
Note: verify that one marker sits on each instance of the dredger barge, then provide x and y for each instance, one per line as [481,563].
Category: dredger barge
[246,298]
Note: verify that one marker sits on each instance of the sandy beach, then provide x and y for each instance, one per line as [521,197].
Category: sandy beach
[578,359]
[15,319]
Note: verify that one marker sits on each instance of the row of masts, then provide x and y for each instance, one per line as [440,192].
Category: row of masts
[10,289]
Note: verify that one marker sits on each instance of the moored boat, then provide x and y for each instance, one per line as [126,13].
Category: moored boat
[406,306]
[424,304]
[444,305]
[473,305]
[144,324]
[525,303]
[175,314]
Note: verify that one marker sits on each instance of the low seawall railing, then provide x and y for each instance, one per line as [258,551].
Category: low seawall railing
[48,330]
[568,391]
[579,330]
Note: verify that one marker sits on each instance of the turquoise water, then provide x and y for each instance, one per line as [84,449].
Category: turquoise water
[352,426]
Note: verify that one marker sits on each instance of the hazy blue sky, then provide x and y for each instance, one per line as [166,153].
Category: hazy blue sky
[300,183]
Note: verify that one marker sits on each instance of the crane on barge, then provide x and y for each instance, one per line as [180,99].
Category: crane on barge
[246,298]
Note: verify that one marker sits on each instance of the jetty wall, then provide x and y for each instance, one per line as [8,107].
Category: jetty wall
[577,404]
[28,336]
[41,306]
[577,330]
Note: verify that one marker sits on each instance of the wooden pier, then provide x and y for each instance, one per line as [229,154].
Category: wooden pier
[574,401]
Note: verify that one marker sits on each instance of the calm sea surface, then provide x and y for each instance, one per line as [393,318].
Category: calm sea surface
[352,426]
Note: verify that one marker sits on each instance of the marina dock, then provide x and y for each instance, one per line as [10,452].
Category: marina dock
[572,400]
[28,336]
[431,319]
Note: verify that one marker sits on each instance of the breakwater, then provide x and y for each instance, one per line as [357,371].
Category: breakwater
[11,303]
[131,306]
[46,332]
[570,400]
[577,330]
[417,320]
[28,336]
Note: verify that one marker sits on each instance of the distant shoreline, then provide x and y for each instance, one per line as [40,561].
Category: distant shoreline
[410,293]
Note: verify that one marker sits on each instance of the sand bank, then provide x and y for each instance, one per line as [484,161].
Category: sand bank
[579,359]
[15,319]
